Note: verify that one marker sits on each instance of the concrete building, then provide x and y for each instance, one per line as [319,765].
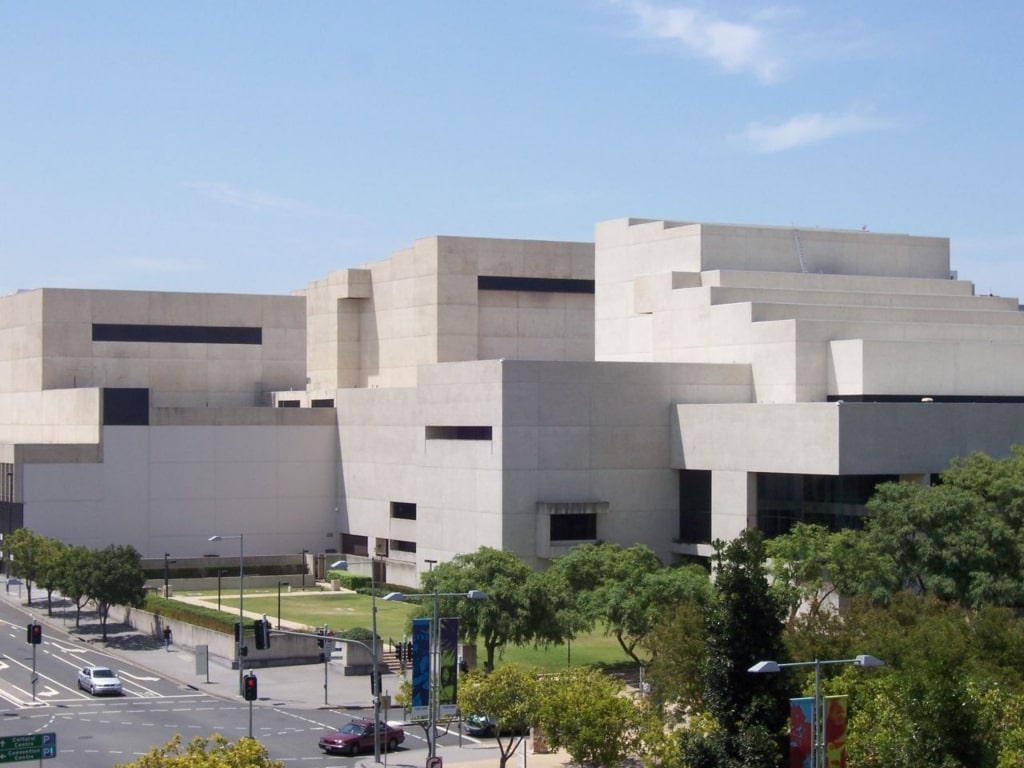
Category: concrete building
[669,384]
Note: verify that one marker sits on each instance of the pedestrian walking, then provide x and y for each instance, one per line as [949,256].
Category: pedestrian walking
[167,639]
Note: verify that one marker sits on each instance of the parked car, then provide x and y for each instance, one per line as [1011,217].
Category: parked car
[357,736]
[97,680]
[481,725]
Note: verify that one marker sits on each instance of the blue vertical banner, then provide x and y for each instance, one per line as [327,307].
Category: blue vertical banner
[448,674]
[420,668]
[801,733]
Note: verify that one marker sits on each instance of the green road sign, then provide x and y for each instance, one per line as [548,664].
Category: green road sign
[36,746]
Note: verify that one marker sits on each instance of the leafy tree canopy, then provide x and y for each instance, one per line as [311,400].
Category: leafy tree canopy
[214,752]
[510,696]
[509,615]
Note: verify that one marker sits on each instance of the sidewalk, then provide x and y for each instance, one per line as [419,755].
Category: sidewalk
[296,687]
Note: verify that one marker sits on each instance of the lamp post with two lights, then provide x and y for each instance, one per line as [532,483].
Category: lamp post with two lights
[433,704]
[375,643]
[819,753]
[241,597]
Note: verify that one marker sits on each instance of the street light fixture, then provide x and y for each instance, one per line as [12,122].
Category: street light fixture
[375,645]
[279,585]
[435,657]
[167,574]
[241,598]
[819,753]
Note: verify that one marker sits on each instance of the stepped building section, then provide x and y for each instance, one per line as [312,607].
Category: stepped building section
[669,384]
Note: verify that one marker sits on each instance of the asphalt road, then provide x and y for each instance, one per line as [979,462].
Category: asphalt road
[101,732]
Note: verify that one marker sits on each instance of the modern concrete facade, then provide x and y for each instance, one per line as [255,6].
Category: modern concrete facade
[669,384]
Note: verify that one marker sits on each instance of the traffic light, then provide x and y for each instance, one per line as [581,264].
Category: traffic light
[400,651]
[375,683]
[320,640]
[261,628]
[35,634]
[250,687]
[238,632]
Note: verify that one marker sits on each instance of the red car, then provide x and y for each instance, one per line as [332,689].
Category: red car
[357,737]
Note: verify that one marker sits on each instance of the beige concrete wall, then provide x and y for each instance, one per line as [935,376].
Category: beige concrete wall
[678,292]
[46,343]
[21,342]
[169,488]
[374,326]
[52,416]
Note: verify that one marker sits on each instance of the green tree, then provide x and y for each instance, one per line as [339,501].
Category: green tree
[73,577]
[584,711]
[571,585]
[923,708]
[26,548]
[51,565]
[513,590]
[810,566]
[638,589]
[510,696]
[115,578]
[678,647]
[625,589]
[744,626]
[212,752]
[948,541]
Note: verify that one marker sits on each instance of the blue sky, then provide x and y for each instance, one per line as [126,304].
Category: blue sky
[255,146]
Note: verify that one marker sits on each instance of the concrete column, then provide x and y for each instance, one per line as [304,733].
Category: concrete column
[733,503]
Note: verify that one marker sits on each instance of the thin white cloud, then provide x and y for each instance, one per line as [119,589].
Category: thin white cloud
[811,128]
[253,199]
[736,46]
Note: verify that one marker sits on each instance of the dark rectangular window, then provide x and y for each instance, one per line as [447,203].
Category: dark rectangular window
[695,506]
[125,406]
[459,433]
[355,545]
[534,284]
[403,510]
[573,527]
[323,403]
[835,502]
[403,546]
[177,334]
[288,404]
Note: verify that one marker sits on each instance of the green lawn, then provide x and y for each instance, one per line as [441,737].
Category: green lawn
[346,610]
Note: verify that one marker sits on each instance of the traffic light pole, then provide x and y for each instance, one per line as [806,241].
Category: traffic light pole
[35,677]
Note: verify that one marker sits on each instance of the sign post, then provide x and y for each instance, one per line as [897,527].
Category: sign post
[36,746]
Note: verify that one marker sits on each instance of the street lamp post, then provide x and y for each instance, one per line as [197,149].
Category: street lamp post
[279,585]
[433,704]
[819,753]
[241,598]
[167,574]
[375,652]
[304,553]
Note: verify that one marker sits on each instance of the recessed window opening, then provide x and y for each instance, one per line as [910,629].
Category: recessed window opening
[459,433]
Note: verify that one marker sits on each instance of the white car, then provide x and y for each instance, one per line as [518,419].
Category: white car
[97,680]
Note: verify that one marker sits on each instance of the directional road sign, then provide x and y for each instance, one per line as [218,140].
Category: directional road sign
[35,746]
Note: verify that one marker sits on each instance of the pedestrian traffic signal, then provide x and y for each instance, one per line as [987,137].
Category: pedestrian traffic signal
[35,633]
[250,687]
[261,628]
